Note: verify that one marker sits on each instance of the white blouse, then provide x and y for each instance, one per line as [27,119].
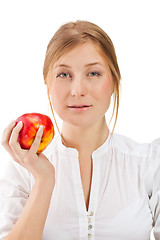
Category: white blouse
[124,199]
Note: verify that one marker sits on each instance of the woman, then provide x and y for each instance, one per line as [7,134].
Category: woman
[89,183]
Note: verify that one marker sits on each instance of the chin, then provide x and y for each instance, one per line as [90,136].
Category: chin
[80,123]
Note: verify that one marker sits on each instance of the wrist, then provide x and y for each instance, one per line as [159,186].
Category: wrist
[49,180]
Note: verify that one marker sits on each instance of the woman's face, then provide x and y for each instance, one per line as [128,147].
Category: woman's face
[81,77]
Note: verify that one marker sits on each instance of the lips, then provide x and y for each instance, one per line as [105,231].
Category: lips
[79,106]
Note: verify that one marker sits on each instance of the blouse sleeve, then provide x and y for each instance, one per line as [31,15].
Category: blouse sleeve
[15,187]
[155,186]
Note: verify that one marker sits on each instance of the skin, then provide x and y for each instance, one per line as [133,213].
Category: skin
[77,83]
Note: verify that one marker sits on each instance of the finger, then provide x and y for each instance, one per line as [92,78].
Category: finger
[37,141]
[15,146]
[6,138]
[7,133]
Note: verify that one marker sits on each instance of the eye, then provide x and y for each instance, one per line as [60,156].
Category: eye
[63,75]
[94,73]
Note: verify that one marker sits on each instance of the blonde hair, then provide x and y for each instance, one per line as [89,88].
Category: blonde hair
[73,34]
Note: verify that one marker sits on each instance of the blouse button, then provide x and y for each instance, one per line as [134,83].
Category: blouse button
[89,227]
[89,235]
[91,213]
[89,220]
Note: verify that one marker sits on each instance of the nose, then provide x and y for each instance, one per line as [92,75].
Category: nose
[78,87]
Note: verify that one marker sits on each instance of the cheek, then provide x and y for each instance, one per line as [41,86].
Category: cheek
[56,96]
[105,89]
[57,93]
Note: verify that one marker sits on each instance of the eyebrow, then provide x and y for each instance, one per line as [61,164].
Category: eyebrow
[87,65]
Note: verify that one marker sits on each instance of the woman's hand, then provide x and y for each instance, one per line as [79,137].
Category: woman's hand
[37,164]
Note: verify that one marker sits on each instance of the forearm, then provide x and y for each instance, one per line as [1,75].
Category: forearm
[31,222]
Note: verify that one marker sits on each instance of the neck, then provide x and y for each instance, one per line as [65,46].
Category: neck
[85,139]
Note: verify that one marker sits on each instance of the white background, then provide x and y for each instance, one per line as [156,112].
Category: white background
[134,27]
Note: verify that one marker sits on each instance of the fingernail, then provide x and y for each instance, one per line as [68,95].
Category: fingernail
[20,123]
[40,128]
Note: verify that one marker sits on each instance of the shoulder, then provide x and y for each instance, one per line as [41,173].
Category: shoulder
[131,147]
[15,177]
[155,157]
[144,155]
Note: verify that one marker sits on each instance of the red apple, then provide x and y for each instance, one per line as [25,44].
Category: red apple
[31,123]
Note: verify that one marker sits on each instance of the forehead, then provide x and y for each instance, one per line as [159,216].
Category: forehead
[86,52]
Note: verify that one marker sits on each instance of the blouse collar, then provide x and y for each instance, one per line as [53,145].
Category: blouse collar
[73,153]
